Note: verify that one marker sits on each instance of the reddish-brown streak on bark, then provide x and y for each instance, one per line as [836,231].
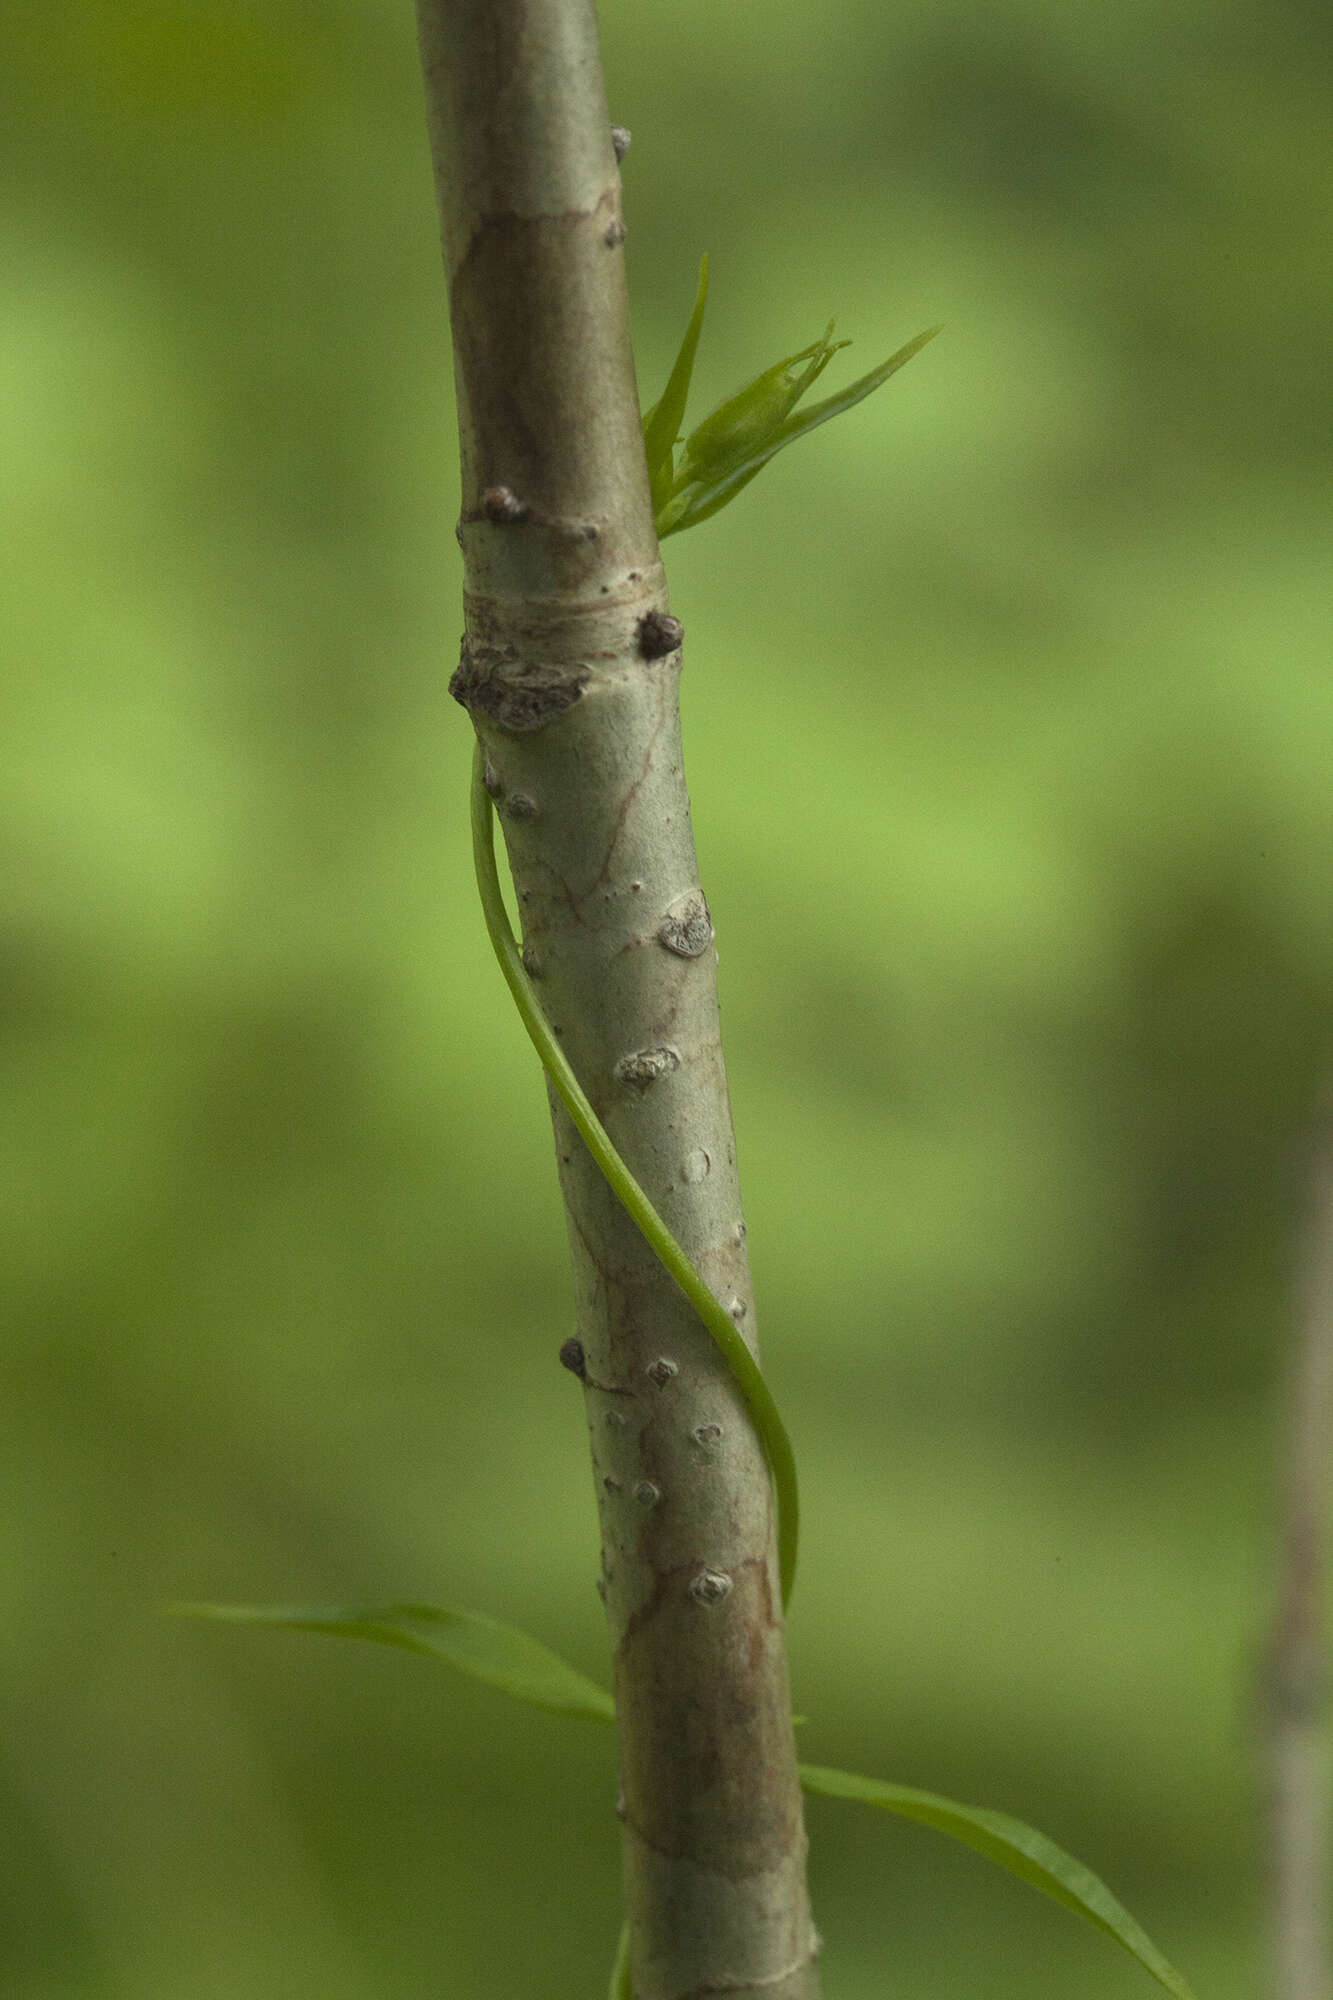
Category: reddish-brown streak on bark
[607,1388]
[559,890]
[647,1610]
[576,1225]
[510,224]
[631,794]
[635,1623]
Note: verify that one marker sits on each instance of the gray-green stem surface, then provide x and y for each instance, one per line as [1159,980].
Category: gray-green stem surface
[571,679]
[763,1410]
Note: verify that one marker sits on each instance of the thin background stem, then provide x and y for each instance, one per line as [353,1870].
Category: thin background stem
[1295,1707]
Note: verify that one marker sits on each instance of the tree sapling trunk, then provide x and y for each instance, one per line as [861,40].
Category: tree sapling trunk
[570,670]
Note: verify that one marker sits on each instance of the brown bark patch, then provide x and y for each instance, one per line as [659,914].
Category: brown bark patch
[519,695]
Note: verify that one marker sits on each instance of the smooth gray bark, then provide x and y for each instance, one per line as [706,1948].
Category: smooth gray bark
[570,668]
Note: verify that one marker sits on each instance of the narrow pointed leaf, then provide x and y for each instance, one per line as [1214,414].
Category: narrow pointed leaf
[696,503]
[690,505]
[662,424]
[500,1655]
[833,406]
[740,426]
[1019,1848]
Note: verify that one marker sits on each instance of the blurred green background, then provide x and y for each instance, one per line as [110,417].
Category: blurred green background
[1010,725]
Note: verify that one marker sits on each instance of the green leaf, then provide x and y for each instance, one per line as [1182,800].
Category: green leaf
[694,501]
[661,424]
[1019,1848]
[500,1655]
[833,406]
[736,429]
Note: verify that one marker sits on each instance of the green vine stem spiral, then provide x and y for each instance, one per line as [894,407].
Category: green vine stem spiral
[758,1396]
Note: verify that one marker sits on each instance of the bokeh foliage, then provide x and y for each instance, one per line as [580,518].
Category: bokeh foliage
[1011,726]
